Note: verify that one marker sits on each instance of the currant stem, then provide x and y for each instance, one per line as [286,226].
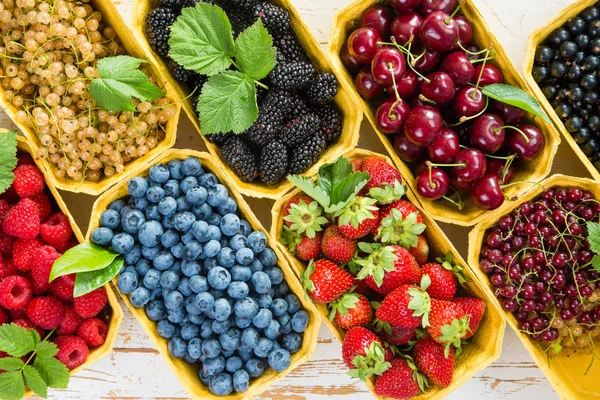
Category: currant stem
[527,140]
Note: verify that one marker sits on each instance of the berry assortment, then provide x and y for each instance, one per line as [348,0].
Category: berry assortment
[207,279]
[297,119]
[34,233]
[432,91]
[47,67]
[566,70]
[540,260]
[369,263]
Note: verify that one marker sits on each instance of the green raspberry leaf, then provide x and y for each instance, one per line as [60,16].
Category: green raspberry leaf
[11,364]
[201,40]
[8,159]
[46,349]
[12,386]
[255,55]
[53,372]
[34,381]
[16,341]
[227,103]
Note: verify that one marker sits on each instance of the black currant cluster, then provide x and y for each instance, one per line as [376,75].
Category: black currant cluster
[567,68]
[297,119]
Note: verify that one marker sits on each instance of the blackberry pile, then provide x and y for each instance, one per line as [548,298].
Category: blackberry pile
[297,119]
[567,68]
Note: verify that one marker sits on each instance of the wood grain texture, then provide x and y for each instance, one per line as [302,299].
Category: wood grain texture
[135,370]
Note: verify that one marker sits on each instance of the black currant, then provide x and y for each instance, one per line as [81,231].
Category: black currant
[574,72]
[591,97]
[558,36]
[563,110]
[549,91]
[540,73]
[576,94]
[582,136]
[591,147]
[544,54]
[589,81]
[593,123]
[591,13]
[576,24]
[594,28]
[568,49]
[574,123]
[582,40]
[558,69]
[590,63]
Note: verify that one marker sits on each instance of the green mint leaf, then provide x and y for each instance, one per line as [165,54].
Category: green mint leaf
[255,55]
[46,349]
[34,381]
[11,364]
[308,187]
[84,257]
[594,236]
[12,386]
[108,98]
[86,282]
[515,97]
[8,159]
[53,372]
[227,103]
[201,39]
[15,341]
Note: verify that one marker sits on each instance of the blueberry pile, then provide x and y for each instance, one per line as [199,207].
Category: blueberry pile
[203,275]
[567,68]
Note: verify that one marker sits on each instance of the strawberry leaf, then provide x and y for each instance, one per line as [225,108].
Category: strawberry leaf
[308,187]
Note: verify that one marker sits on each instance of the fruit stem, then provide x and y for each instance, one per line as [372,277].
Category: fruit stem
[459,204]
[262,85]
[464,119]
[520,183]
[430,165]
[527,140]
[426,100]
[473,53]
[483,59]
[507,158]
[456,10]
[487,55]
[398,99]
[412,60]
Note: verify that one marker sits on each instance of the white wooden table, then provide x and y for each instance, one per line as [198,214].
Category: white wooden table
[136,370]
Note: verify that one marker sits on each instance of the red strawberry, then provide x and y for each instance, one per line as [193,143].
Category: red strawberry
[400,381]
[399,223]
[393,334]
[442,282]
[475,309]
[22,220]
[431,360]
[295,200]
[351,310]
[337,247]
[381,172]
[324,281]
[358,217]
[387,267]
[447,323]
[309,249]
[404,307]
[364,354]
[421,250]
[356,164]
[304,215]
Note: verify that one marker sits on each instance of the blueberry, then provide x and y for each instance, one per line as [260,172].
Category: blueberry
[142,266]
[187,237]
[279,307]
[221,385]
[202,211]
[282,289]
[275,275]
[273,330]
[139,297]
[166,329]
[110,219]
[191,306]
[241,381]
[240,273]
[244,256]
[151,279]
[167,206]
[169,238]
[214,219]
[171,188]
[194,348]
[285,324]
[221,309]
[122,243]
[210,263]
[169,280]
[156,310]
[138,203]
[102,236]
[264,301]
[150,253]
[137,187]
[127,282]
[177,250]
[220,327]
[244,354]
[237,242]
[133,256]
[193,251]
[206,329]
[208,180]
[263,348]
[230,340]
[117,205]
[174,167]
[200,231]
[294,304]
[219,278]
[176,267]
[280,360]
[230,206]
[229,224]
[155,194]
[234,364]
[212,248]
[152,213]
[159,173]
[292,342]
[256,265]
[197,319]
[211,348]
[245,228]
[262,319]
[184,287]
[243,323]
[198,284]
[182,204]
[188,183]
[261,282]
[214,233]
[226,257]
[245,308]
[268,257]
[238,290]
[174,300]
[300,321]
[255,367]
[191,166]
[196,195]
[163,260]
[128,268]
[204,378]
[189,331]
[176,316]
[257,241]
[224,242]
[217,195]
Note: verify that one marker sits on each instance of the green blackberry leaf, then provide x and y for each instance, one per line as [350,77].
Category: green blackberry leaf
[8,158]
[255,55]
[12,386]
[11,364]
[515,97]
[201,40]
[86,282]
[34,381]
[84,257]
[53,372]
[15,340]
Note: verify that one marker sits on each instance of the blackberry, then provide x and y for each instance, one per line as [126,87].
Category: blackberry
[172,4]
[238,155]
[179,73]
[196,81]
[239,21]
[245,5]
[291,76]
[298,108]
[273,163]
[299,130]
[218,138]
[288,48]
[331,122]
[158,24]
[276,20]
[322,89]
[307,153]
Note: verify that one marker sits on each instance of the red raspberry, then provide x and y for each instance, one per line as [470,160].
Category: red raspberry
[22,220]
[72,243]
[70,323]
[10,195]
[15,292]
[29,180]
[93,331]
[7,268]
[24,159]
[46,312]
[56,231]
[62,287]
[17,313]
[23,250]
[41,265]
[27,324]
[89,305]
[4,207]
[4,317]
[72,351]
[41,199]
[6,244]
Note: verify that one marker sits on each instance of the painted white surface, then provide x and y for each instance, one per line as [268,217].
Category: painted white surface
[136,370]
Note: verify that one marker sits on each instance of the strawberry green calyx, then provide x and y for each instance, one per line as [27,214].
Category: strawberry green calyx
[395,229]
[307,283]
[372,363]
[453,333]
[421,302]
[420,378]
[448,264]
[290,239]
[306,218]
[389,193]
[342,305]
[356,211]
[379,261]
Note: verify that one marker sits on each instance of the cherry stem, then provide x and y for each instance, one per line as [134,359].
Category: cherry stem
[464,119]
[473,53]
[483,59]
[391,67]
[456,10]
[426,100]
[487,55]
[430,165]
[412,60]
[507,158]
[507,165]
[520,183]
[527,140]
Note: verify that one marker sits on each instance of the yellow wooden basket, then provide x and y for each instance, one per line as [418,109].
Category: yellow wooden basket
[566,374]
[345,101]
[112,17]
[483,349]
[535,39]
[346,20]
[186,373]
[116,313]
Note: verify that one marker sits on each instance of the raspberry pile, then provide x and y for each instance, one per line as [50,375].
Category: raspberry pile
[371,266]
[414,61]
[32,237]
[539,262]
[297,118]
[207,279]
[49,58]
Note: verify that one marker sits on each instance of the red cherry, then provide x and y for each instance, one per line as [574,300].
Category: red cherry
[407,86]
[459,67]
[428,61]
[473,165]
[404,26]
[487,193]
[439,32]
[407,151]
[491,75]
[445,147]
[366,86]
[378,18]
[433,185]
[487,133]
[459,184]
[465,32]
[349,62]
[362,44]
[511,115]
[496,166]
[429,6]
[528,142]
[417,101]
[391,114]
[423,125]
[440,88]
[387,62]
[403,6]
[469,101]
